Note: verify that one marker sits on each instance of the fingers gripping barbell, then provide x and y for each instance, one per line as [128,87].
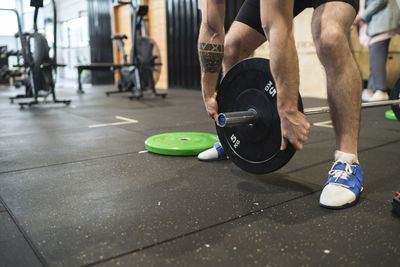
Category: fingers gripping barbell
[248,122]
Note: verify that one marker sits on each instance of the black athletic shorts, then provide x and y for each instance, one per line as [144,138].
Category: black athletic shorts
[249,13]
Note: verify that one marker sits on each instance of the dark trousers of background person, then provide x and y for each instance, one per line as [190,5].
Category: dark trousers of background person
[377,65]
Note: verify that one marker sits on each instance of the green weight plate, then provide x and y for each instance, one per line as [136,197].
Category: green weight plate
[390,115]
[180,143]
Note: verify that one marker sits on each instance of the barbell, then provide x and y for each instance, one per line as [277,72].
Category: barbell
[248,122]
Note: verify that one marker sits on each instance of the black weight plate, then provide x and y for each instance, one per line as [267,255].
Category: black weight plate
[42,77]
[252,147]
[395,95]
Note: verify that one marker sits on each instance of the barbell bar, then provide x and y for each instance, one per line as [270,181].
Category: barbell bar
[230,119]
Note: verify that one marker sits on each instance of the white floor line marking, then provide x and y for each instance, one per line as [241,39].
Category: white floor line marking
[124,121]
[143,151]
[326,124]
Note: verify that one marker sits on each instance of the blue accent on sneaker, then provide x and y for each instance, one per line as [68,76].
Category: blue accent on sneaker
[220,150]
[348,176]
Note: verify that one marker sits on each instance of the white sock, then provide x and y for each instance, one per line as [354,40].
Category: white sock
[345,157]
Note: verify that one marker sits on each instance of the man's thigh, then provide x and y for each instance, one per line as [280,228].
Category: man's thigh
[249,13]
[333,16]
[244,39]
[354,3]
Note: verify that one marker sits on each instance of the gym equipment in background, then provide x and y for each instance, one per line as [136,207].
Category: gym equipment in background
[39,68]
[5,72]
[127,72]
[144,67]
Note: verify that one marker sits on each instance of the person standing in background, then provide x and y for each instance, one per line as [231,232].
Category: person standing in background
[379,22]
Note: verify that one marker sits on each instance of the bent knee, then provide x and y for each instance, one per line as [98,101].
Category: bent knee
[232,49]
[330,43]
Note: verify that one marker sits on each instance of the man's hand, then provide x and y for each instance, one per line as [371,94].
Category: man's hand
[295,128]
[358,21]
[212,106]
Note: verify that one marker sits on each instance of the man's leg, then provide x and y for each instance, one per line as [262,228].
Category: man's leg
[244,35]
[240,42]
[247,26]
[330,27]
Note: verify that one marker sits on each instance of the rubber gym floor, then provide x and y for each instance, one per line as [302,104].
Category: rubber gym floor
[77,195]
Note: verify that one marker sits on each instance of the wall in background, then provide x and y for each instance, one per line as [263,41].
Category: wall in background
[10,42]
[158,32]
[10,19]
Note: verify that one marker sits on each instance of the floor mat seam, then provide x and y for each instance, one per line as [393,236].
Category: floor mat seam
[71,162]
[255,212]
[26,237]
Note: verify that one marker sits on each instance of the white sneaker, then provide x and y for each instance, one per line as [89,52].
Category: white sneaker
[367,94]
[379,95]
[214,153]
[344,183]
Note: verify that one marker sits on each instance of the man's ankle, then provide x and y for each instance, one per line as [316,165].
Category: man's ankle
[349,158]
